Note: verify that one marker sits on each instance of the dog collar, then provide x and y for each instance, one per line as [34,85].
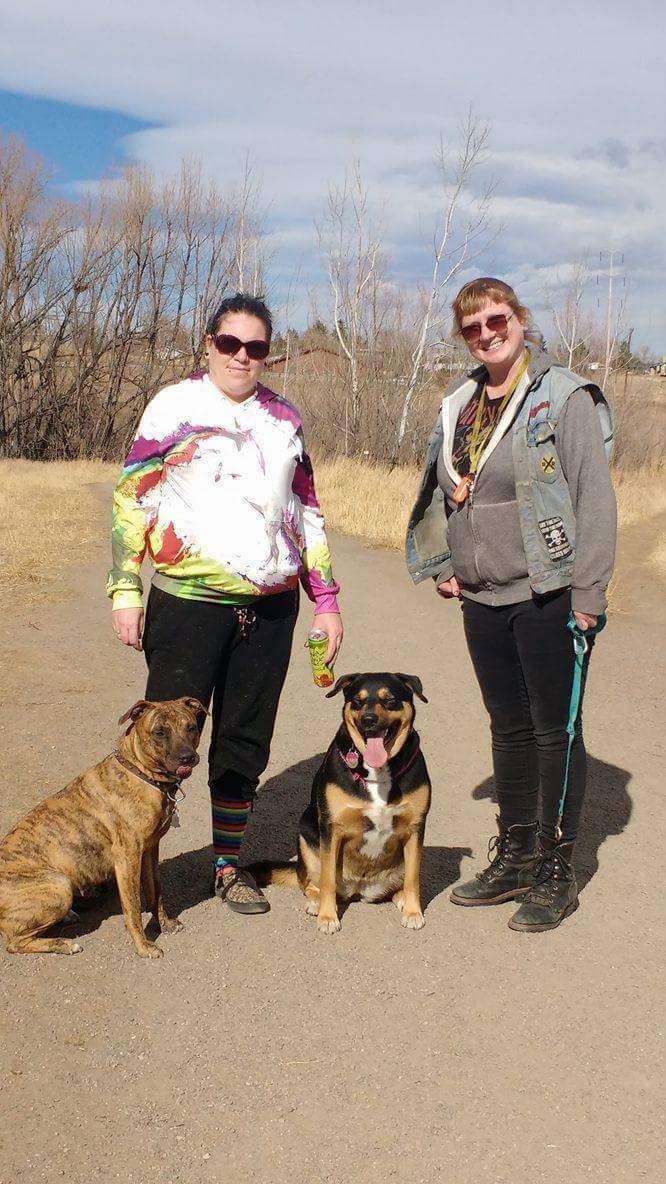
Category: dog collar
[164,786]
[352,758]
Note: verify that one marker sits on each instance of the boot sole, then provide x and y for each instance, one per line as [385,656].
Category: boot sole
[514,894]
[571,908]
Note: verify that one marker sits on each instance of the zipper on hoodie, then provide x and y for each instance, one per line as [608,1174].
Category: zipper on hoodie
[475,538]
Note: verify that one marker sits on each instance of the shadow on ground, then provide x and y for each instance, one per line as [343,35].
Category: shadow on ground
[607,812]
[271,835]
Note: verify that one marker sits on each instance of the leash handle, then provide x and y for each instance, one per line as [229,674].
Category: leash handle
[581,645]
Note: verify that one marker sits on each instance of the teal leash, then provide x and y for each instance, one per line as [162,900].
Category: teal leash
[581,646]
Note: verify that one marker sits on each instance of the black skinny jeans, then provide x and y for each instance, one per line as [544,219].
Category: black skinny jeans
[196,647]
[523,657]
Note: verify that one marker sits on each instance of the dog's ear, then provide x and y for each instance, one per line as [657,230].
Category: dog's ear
[341,685]
[135,711]
[197,706]
[413,682]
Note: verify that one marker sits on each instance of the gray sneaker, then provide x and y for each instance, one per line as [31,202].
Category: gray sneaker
[240,890]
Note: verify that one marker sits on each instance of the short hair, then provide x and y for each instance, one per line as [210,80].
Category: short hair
[241,302]
[478,293]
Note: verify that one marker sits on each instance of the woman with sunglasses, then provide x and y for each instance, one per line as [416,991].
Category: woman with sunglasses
[219,489]
[516,517]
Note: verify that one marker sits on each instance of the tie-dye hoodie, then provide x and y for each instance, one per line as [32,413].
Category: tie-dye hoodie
[222,496]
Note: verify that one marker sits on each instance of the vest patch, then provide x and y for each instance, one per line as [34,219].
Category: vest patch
[548,464]
[555,537]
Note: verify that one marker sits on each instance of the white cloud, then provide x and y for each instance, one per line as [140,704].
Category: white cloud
[303,86]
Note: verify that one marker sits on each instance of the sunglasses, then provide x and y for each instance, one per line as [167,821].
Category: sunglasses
[496,324]
[227,344]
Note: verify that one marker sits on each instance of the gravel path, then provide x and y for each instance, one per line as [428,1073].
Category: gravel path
[260,1050]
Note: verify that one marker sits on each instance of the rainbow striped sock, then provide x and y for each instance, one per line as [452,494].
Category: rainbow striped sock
[229,822]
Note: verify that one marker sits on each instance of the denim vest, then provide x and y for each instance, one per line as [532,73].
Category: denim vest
[547,519]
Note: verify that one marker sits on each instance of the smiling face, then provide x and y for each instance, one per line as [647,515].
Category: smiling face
[496,350]
[236,376]
[378,712]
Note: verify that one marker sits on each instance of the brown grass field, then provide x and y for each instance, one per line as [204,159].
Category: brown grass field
[49,516]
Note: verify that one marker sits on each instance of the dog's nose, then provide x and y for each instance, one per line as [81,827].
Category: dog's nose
[369,719]
[187,756]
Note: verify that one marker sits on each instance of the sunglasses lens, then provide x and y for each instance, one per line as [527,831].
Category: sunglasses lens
[257,350]
[227,344]
[497,324]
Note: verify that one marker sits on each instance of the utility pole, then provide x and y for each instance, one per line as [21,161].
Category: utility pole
[611,336]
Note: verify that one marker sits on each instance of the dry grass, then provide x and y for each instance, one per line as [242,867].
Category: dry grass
[372,502]
[641,494]
[366,500]
[48,519]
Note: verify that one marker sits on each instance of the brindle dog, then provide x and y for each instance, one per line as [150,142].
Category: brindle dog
[109,820]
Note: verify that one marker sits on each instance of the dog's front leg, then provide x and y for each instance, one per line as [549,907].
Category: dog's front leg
[409,901]
[327,916]
[152,888]
[128,877]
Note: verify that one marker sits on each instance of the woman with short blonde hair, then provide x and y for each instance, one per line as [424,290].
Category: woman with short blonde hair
[516,518]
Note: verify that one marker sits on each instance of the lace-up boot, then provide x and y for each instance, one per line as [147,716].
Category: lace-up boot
[512,854]
[554,894]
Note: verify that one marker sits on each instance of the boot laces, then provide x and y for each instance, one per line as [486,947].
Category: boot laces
[548,874]
[496,853]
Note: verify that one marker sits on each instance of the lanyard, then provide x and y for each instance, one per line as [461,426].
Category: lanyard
[479,438]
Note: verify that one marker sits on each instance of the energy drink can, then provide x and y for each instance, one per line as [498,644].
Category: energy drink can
[317,645]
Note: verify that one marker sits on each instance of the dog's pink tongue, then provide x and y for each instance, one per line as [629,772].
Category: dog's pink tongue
[183,771]
[375,754]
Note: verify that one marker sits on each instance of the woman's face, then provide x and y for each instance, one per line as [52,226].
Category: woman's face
[236,374]
[492,347]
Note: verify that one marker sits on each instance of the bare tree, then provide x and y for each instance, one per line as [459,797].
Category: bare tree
[102,302]
[575,327]
[247,256]
[461,231]
[351,249]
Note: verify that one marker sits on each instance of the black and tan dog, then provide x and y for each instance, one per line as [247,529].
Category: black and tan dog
[362,833]
[109,820]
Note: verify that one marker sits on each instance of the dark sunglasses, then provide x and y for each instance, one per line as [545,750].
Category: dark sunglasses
[496,324]
[227,344]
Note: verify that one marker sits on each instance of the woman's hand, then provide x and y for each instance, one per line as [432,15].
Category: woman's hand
[585,621]
[449,588]
[128,626]
[331,623]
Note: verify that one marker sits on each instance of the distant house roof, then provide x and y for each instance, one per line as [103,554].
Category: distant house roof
[310,359]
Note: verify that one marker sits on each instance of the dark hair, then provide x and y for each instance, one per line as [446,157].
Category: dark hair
[241,303]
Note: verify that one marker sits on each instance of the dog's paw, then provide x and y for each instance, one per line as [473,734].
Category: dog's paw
[150,950]
[412,920]
[74,947]
[171,924]
[312,908]
[328,924]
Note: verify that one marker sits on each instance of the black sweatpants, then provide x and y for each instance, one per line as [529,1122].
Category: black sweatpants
[197,648]
[523,656]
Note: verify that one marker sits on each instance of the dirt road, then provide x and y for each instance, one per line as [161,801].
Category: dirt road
[260,1050]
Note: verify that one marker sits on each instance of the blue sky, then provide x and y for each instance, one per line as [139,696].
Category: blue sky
[574,94]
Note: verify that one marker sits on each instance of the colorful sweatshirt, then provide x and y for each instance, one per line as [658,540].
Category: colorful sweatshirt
[222,496]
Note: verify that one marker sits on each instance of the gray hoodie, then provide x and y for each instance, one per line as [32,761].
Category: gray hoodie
[484,534]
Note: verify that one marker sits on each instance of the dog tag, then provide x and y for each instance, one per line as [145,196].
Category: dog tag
[175,817]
